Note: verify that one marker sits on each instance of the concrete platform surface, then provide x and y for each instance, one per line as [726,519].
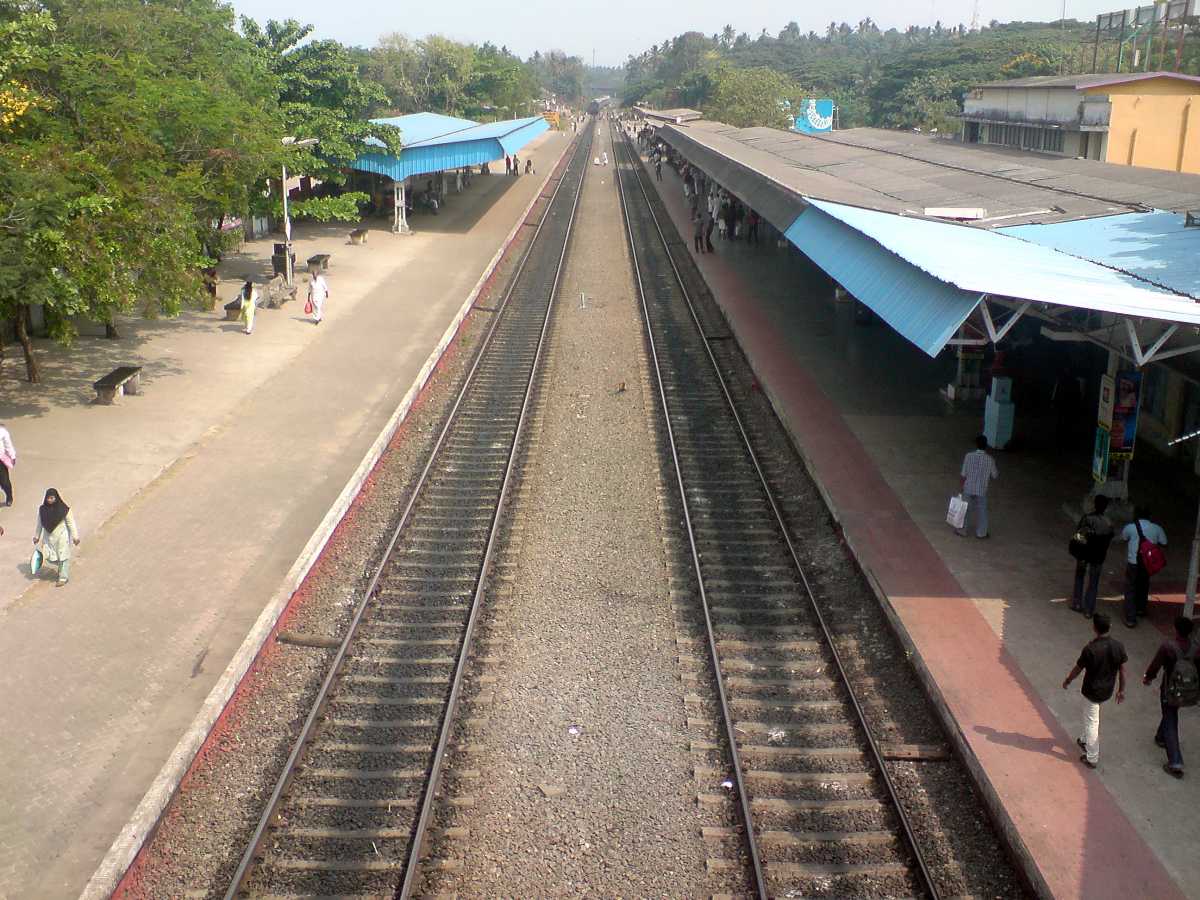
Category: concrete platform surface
[988,618]
[194,500]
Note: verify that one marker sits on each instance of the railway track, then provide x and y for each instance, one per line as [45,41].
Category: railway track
[350,813]
[819,813]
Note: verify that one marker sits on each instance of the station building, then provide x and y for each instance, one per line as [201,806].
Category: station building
[1134,119]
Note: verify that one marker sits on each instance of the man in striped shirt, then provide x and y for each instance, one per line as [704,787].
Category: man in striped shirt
[978,469]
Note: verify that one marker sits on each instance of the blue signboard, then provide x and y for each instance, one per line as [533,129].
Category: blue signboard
[815,116]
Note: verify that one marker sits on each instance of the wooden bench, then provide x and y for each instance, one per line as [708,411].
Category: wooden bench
[278,292]
[117,383]
[319,261]
[233,309]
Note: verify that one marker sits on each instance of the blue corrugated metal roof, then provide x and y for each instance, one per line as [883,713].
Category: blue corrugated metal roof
[988,262]
[920,307]
[1155,245]
[436,143]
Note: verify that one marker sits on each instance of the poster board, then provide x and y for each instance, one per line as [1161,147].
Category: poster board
[1126,401]
[1100,456]
[1108,396]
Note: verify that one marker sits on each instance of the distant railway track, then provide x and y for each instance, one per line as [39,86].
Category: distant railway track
[821,815]
[351,810]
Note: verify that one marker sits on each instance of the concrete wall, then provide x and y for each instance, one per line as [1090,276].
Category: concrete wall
[1053,105]
[1155,130]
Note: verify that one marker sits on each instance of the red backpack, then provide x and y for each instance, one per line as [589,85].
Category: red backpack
[1149,554]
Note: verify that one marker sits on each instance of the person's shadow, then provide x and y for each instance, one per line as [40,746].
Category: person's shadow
[1048,746]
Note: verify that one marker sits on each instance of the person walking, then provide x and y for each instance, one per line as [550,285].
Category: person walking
[658,167]
[698,231]
[604,158]
[529,165]
[1176,659]
[1137,576]
[8,459]
[516,166]
[56,531]
[249,298]
[709,225]
[1102,662]
[318,293]
[507,164]
[978,470]
[1097,533]
[752,221]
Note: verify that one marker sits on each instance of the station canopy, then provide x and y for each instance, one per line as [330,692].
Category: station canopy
[431,142]
[953,244]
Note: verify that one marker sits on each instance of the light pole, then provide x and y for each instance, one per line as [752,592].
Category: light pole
[287,220]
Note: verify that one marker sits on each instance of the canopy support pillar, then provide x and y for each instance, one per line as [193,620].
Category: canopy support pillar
[400,218]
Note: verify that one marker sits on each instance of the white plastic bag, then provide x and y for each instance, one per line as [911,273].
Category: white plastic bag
[956,516]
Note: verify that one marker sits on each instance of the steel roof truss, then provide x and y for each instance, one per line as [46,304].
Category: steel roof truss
[995,335]
[1140,356]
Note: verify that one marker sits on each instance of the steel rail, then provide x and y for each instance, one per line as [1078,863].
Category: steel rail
[324,692]
[422,825]
[760,879]
[923,871]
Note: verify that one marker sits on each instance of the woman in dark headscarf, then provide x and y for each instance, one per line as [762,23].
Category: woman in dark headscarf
[56,531]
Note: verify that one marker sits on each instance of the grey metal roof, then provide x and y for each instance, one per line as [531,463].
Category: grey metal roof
[679,114]
[903,172]
[1085,81]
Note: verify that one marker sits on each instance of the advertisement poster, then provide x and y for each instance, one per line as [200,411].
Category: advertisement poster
[815,116]
[1125,415]
[1108,394]
[1100,456]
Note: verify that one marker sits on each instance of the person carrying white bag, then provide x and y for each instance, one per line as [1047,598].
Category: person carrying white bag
[978,470]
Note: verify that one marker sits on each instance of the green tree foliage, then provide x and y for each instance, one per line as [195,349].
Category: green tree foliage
[559,74]
[156,119]
[746,97]
[910,78]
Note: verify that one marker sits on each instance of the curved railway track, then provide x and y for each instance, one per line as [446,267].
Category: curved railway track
[820,813]
[351,811]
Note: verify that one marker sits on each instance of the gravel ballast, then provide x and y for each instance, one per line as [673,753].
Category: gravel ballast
[585,780]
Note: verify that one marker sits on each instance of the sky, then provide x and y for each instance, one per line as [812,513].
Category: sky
[614,29]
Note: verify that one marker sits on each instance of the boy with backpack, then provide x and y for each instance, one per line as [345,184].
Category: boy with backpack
[1180,687]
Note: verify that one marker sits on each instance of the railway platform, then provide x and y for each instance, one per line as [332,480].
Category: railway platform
[987,620]
[201,502]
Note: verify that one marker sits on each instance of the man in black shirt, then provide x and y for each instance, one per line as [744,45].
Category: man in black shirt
[1102,663]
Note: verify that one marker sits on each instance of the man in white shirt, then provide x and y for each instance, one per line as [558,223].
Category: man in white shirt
[978,469]
[8,459]
[318,293]
[1137,579]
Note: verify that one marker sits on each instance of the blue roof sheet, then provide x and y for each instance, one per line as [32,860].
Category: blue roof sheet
[436,143]
[920,307]
[1155,246]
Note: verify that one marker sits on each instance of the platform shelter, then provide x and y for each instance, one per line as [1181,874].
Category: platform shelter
[432,143]
[963,246]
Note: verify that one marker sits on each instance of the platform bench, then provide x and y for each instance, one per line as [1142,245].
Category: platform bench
[233,309]
[118,382]
[359,236]
[319,261]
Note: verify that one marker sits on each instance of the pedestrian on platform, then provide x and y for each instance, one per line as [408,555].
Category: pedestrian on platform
[1102,662]
[1176,659]
[1137,576]
[978,470]
[604,158]
[752,221]
[658,168]
[529,165]
[698,231]
[56,531]
[1097,533]
[709,224]
[507,164]
[8,459]
[318,293]
[249,298]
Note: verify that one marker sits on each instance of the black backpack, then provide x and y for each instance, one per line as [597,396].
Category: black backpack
[1183,687]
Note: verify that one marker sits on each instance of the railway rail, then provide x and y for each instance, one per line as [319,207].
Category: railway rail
[351,811]
[820,813]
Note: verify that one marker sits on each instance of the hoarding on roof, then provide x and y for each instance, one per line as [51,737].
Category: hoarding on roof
[815,116]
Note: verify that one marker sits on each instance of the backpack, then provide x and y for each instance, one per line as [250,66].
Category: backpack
[1183,687]
[1080,540]
[1149,554]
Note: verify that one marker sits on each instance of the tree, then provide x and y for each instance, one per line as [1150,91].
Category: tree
[153,120]
[748,97]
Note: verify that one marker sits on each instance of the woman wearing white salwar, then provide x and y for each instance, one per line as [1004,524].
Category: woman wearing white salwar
[249,297]
[56,532]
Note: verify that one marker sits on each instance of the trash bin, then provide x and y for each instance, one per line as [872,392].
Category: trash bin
[279,263]
[280,248]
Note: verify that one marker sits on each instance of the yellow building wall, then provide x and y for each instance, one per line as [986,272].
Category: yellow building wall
[1154,123]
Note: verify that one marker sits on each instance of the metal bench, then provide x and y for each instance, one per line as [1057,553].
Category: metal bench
[358,236]
[118,382]
[319,262]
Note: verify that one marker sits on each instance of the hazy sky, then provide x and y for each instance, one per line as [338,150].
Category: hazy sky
[617,28]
